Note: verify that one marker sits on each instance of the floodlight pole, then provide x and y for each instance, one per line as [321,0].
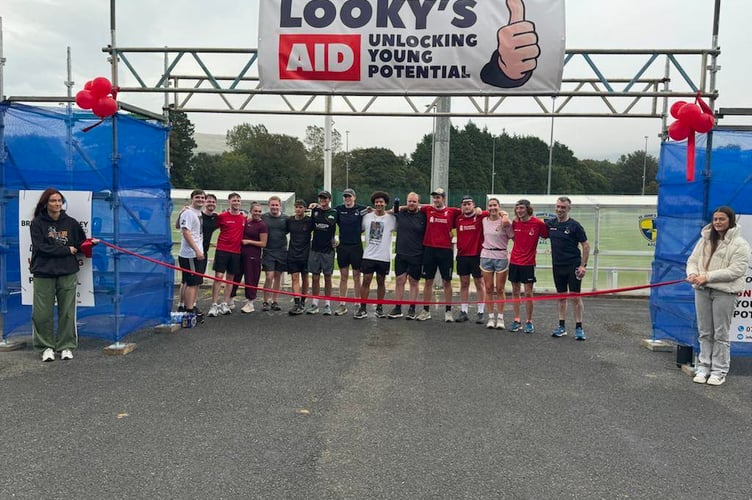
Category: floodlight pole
[493,166]
[551,145]
[347,159]
[644,165]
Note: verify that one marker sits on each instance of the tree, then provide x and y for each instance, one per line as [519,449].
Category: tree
[181,150]
[314,141]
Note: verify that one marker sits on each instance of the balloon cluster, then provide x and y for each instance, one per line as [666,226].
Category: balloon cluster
[690,118]
[99,96]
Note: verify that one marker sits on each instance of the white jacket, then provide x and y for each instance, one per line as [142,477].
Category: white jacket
[728,266]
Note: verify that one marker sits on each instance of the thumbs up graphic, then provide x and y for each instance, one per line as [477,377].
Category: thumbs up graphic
[516,56]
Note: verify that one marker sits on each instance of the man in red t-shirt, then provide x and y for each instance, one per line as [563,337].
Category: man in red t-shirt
[227,256]
[527,231]
[438,253]
[469,226]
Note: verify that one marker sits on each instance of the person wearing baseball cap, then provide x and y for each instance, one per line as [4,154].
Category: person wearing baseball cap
[350,248]
[321,256]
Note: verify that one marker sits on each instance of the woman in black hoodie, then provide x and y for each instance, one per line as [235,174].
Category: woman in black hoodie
[56,243]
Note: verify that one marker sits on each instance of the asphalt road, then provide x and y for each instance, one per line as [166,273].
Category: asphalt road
[271,406]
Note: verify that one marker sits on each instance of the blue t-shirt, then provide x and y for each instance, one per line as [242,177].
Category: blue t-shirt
[350,221]
[565,239]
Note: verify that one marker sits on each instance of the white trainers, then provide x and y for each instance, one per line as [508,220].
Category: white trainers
[48,355]
[424,315]
[500,323]
[248,307]
[66,354]
[716,379]
[224,309]
[448,317]
[491,323]
[700,378]
[213,311]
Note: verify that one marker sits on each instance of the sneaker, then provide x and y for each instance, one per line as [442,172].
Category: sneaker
[213,311]
[341,310]
[312,309]
[491,323]
[361,313]
[411,313]
[448,317]
[199,313]
[579,334]
[423,316]
[231,304]
[327,310]
[516,326]
[462,317]
[559,332]
[380,312]
[700,377]
[275,306]
[397,312]
[48,355]
[248,307]
[529,328]
[296,310]
[224,309]
[66,354]
[500,324]
[479,319]
[716,379]
[264,306]
[181,308]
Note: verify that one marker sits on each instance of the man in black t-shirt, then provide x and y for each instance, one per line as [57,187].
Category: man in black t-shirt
[321,256]
[411,226]
[274,259]
[299,228]
[350,247]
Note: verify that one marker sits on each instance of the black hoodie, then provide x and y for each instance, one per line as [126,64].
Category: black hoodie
[50,242]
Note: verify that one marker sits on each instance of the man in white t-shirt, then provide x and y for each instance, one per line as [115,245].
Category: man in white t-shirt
[191,256]
[377,227]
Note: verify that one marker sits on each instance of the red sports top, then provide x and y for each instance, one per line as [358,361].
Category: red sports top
[439,224]
[469,235]
[230,232]
[526,236]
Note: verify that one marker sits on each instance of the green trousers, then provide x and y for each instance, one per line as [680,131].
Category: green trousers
[46,290]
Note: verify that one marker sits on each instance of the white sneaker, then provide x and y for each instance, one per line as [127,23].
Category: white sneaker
[48,355]
[716,379]
[700,378]
[248,307]
[491,323]
[424,315]
[448,317]
[500,324]
[231,304]
[224,309]
[66,354]
[213,311]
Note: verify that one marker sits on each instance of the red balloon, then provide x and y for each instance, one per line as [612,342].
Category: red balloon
[704,123]
[678,131]
[87,85]
[84,99]
[688,114]
[104,107]
[100,86]
[675,107]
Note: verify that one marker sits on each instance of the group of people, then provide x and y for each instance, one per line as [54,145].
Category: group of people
[304,244]
[360,238]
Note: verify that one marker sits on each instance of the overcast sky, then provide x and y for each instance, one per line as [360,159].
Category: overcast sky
[37,32]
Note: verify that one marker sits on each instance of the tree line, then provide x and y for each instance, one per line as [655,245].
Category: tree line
[258,160]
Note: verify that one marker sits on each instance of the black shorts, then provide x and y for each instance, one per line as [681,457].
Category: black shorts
[350,255]
[521,274]
[192,264]
[274,260]
[469,265]
[565,279]
[368,266]
[441,258]
[410,265]
[227,262]
[297,266]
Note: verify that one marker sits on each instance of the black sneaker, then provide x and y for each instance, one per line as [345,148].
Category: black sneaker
[462,317]
[396,312]
[380,312]
[361,313]
[275,307]
[181,309]
[411,313]
[265,306]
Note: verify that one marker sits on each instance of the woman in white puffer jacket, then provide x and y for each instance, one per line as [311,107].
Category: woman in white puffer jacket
[716,269]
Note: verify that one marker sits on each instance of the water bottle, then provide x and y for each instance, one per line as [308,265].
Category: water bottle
[176,318]
[188,320]
[579,274]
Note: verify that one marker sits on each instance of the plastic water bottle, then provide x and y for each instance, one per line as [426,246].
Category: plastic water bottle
[579,274]
[176,318]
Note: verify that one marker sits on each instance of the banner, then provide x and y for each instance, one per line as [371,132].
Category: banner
[77,205]
[741,321]
[398,46]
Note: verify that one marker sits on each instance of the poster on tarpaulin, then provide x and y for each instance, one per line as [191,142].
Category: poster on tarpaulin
[398,46]
[77,204]
[741,321]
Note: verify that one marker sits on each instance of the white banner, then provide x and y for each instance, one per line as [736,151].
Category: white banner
[77,205]
[741,321]
[397,46]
